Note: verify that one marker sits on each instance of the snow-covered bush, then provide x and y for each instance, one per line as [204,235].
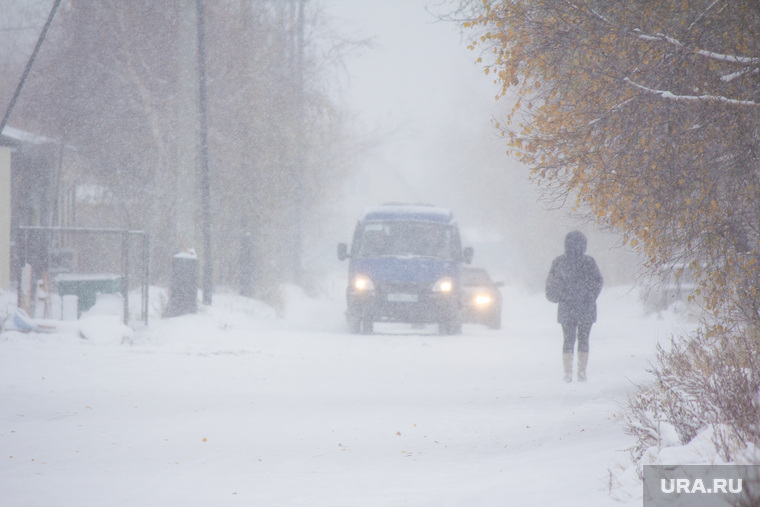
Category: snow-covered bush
[707,381]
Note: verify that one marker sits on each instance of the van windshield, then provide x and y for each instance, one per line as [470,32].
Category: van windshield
[408,239]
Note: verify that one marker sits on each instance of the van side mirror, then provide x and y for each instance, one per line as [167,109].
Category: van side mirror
[342,251]
[467,254]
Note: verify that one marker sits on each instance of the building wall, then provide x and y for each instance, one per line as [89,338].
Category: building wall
[5,218]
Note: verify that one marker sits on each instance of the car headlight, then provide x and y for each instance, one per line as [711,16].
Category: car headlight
[445,284]
[483,300]
[362,283]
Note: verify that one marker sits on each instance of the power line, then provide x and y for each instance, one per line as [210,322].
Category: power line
[29,65]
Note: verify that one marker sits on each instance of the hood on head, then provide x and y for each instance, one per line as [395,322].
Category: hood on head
[575,243]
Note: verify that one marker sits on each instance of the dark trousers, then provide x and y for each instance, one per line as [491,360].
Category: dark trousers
[573,331]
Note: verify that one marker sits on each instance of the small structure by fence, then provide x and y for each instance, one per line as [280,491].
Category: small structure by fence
[84,261]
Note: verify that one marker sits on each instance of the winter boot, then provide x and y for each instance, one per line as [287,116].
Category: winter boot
[582,362]
[567,362]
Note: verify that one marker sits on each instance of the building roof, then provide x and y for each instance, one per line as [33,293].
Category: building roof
[15,137]
[408,212]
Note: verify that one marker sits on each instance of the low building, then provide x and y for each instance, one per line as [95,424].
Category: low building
[30,170]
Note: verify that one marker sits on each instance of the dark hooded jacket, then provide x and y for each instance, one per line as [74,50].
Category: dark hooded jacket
[574,282]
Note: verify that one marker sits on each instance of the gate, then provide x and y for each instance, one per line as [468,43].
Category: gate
[79,254]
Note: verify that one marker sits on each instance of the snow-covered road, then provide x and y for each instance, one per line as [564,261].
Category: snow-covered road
[236,406]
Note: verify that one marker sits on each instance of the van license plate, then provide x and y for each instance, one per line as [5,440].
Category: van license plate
[402,298]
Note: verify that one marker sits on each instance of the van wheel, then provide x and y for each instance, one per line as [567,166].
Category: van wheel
[367,326]
[354,325]
[358,323]
[354,320]
[451,322]
[449,327]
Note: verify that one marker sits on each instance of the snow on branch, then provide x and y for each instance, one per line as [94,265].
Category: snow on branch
[691,98]
[743,60]
[730,77]
[704,13]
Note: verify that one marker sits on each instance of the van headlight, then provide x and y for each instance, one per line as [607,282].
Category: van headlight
[444,285]
[483,300]
[362,283]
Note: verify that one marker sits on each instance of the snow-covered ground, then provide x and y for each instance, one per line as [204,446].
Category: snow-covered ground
[236,405]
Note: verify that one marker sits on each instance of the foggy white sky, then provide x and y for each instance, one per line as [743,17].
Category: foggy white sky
[418,84]
[424,105]
[420,87]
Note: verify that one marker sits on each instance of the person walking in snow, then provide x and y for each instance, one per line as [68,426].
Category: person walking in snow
[574,282]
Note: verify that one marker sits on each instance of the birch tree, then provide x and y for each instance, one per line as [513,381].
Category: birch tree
[646,113]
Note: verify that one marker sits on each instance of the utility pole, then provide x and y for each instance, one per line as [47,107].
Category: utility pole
[205,180]
[185,170]
[297,58]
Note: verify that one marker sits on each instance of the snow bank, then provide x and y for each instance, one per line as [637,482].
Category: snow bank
[237,405]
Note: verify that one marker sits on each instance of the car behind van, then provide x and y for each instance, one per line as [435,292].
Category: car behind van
[404,266]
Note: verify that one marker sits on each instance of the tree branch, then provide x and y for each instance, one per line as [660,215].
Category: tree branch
[668,95]
[742,60]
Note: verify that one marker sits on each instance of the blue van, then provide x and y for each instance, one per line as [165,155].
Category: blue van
[405,263]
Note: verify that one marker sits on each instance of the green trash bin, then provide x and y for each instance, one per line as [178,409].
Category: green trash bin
[86,287]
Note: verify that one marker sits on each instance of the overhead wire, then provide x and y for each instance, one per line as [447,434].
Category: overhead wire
[29,64]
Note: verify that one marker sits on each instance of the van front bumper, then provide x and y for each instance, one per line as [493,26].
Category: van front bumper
[403,306]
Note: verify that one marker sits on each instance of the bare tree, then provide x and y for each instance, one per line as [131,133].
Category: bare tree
[111,84]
